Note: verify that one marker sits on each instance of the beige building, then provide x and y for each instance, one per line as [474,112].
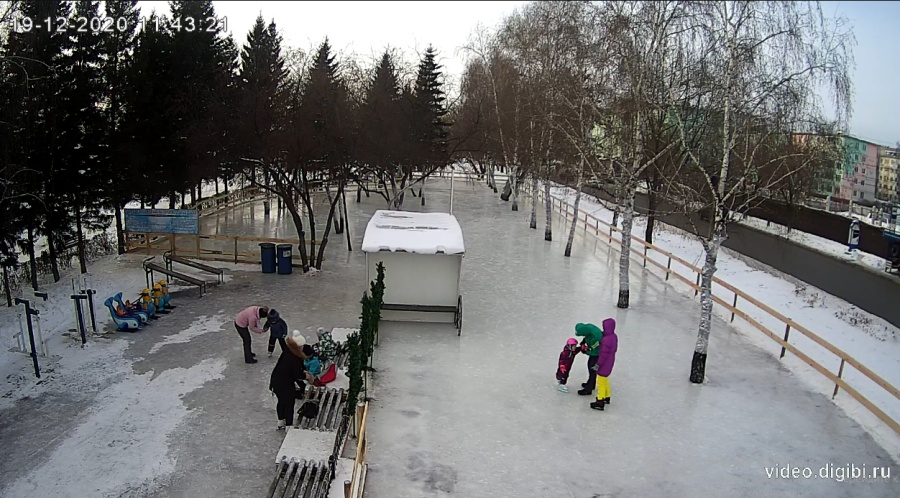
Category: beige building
[888,166]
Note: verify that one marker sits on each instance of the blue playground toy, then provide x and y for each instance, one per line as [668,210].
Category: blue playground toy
[142,316]
[123,323]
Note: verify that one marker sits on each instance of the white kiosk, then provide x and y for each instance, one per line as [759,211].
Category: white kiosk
[422,255]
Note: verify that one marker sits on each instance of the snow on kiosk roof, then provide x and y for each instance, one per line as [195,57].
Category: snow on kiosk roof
[417,233]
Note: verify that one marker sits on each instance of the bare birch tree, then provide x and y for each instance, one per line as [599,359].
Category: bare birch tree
[759,67]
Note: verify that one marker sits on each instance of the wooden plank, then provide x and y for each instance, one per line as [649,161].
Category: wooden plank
[418,308]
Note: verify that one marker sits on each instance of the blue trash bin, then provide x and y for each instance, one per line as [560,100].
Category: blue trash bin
[284,259]
[267,257]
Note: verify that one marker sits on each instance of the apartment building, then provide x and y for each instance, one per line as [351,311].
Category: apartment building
[859,169]
[888,165]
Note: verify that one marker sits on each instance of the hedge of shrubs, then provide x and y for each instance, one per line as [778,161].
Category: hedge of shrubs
[361,345]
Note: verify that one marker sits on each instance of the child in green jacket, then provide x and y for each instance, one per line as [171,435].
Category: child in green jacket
[590,346]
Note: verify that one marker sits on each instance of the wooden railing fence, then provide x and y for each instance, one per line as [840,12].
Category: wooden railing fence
[608,232]
[358,482]
[225,248]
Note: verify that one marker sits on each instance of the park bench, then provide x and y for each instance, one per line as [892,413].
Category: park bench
[150,268]
[430,308]
[169,258]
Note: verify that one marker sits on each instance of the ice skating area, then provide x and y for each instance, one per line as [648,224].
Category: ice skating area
[175,411]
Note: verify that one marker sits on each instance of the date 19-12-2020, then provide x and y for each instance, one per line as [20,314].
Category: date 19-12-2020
[109,24]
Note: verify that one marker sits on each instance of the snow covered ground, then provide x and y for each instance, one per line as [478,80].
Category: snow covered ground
[820,244]
[867,338]
[169,411]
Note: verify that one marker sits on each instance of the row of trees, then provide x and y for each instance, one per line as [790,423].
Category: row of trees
[708,106]
[91,121]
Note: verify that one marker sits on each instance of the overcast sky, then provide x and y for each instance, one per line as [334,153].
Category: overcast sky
[367,28]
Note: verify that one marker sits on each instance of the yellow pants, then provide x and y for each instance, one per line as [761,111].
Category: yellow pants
[603,390]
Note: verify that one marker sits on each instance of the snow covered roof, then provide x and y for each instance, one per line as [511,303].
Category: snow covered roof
[417,233]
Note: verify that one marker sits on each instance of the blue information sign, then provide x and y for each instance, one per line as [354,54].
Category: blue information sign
[184,221]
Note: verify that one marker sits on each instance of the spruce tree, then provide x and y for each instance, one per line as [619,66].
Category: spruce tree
[381,139]
[148,139]
[429,108]
[326,124]
[39,54]
[263,91]
[116,55]
[82,148]
[199,84]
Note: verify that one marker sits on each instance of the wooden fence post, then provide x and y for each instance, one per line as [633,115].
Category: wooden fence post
[697,290]
[668,268]
[787,332]
[734,305]
[235,250]
[645,256]
[840,372]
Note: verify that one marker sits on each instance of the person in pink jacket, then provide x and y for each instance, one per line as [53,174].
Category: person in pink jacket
[246,321]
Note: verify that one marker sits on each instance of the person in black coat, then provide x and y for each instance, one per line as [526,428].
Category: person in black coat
[289,371]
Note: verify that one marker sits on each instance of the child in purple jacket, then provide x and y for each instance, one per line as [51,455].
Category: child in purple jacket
[607,358]
[565,363]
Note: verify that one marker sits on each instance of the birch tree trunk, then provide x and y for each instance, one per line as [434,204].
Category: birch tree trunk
[321,254]
[698,363]
[120,233]
[534,201]
[651,214]
[346,220]
[298,224]
[79,234]
[31,259]
[422,189]
[6,289]
[625,256]
[579,184]
[616,207]
[548,203]
[717,229]
[51,249]
[515,187]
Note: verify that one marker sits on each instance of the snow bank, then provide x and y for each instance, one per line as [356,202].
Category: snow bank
[869,339]
[120,448]
[417,233]
[820,244]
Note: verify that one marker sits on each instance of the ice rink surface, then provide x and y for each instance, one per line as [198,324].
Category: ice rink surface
[480,416]
[470,416]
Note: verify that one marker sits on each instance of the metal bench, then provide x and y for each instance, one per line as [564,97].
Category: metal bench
[169,259]
[430,308]
[150,268]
